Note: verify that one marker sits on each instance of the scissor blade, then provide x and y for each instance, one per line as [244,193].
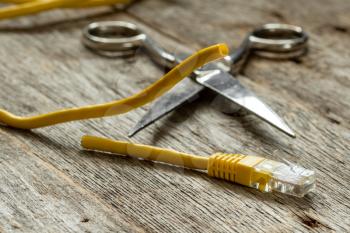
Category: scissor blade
[182,92]
[225,84]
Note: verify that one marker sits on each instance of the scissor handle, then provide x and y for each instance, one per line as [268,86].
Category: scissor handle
[274,40]
[119,38]
[113,38]
[277,40]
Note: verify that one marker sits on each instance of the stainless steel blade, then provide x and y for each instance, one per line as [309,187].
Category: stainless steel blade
[182,92]
[226,85]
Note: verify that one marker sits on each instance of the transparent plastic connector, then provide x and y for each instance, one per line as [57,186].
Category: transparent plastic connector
[289,178]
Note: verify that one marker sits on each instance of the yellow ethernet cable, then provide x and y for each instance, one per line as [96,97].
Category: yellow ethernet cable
[145,96]
[22,8]
[80,4]
[252,171]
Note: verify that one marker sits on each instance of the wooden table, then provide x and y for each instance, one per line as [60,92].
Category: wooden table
[49,184]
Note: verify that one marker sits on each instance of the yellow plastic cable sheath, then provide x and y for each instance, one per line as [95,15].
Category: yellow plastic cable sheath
[33,7]
[87,3]
[232,167]
[124,105]
[145,152]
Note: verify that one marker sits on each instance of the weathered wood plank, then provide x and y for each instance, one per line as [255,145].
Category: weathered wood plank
[61,73]
[36,197]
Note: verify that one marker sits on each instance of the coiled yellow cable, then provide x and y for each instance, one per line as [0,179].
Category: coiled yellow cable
[27,7]
[81,4]
[147,95]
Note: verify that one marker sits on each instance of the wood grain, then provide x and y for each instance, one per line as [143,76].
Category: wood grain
[49,184]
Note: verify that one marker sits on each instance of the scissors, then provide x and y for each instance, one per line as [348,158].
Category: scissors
[276,41]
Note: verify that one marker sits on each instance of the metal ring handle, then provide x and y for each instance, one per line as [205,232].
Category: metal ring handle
[279,41]
[113,38]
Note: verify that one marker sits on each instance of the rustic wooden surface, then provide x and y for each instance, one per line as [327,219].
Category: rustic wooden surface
[49,184]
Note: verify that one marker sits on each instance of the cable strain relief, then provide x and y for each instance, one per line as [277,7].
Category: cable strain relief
[223,166]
